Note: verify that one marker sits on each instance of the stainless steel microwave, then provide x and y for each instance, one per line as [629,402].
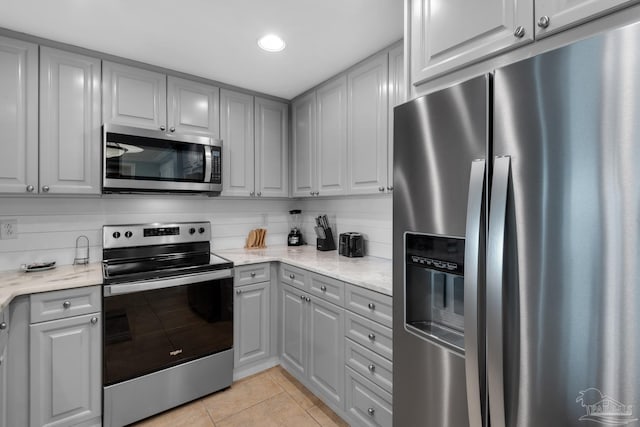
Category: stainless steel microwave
[147,161]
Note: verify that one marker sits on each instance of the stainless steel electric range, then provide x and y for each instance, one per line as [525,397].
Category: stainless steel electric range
[168,310]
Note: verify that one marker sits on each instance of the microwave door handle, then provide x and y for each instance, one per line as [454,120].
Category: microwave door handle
[208,160]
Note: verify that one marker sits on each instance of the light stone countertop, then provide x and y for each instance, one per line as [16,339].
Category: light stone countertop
[367,272]
[16,283]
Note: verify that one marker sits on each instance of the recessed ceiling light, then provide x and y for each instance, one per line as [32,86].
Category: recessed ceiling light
[271,43]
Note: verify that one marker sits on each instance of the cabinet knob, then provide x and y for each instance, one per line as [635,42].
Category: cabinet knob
[302,297]
[45,188]
[66,304]
[238,291]
[323,288]
[372,367]
[311,192]
[381,189]
[259,193]
[172,129]
[371,411]
[252,194]
[94,320]
[30,188]
[307,299]
[372,337]
[390,188]
[252,275]
[3,325]
[544,21]
[371,306]
[519,32]
[292,276]
[317,193]
[162,128]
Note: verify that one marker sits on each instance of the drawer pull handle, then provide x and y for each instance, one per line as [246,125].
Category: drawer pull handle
[292,276]
[66,304]
[307,299]
[372,367]
[372,306]
[372,337]
[253,275]
[3,326]
[94,320]
[302,297]
[371,411]
[323,288]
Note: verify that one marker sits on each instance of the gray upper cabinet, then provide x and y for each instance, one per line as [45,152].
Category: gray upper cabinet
[448,35]
[193,108]
[19,117]
[331,138]
[69,123]
[134,97]
[396,96]
[237,132]
[555,15]
[368,115]
[271,148]
[304,135]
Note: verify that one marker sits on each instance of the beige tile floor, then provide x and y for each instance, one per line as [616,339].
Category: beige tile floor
[269,398]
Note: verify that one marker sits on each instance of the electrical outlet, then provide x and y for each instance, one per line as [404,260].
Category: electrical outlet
[9,229]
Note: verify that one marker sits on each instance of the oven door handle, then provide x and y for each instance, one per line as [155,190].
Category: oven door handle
[148,285]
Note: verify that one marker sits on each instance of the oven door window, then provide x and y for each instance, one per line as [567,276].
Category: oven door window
[134,157]
[153,330]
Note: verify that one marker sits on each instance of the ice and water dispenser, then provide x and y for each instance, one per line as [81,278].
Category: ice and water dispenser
[434,289]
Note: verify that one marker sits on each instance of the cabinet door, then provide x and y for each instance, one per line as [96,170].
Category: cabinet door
[555,15]
[303,158]
[326,354]
[331,138]
[251,323]
[272,159]
[70,137]
[446,35]
[134,97]
[396,97]
[368,115]
[65,371]
[18,116]
[236,130]
[194,108]
[293,334]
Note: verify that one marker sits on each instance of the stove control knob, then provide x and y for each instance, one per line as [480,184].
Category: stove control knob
[201,230]
[192,230]
[128,234]
[116,234]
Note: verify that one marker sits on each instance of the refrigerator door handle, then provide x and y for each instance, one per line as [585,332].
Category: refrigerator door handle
[495,266]
[473,275]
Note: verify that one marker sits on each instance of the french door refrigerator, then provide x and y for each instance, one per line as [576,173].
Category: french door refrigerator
[516,239]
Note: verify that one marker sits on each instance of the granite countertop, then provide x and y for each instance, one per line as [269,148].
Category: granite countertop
[15,283]
[368,272]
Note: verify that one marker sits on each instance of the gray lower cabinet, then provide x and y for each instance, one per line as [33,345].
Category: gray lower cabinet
[367,404]
[312,343]
[65,365]
[252,316]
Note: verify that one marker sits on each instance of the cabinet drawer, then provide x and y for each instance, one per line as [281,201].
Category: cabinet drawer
[367,403]
[370,304]
[66,303]
[293,276]
[327,288]
[373,367]
[255,273]
[370,334]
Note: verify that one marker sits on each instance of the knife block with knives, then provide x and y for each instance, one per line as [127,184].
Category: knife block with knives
[324,241]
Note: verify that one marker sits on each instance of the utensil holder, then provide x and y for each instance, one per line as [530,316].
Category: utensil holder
[326,244]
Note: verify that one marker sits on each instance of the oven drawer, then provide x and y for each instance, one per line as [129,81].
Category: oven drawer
[370,304]
[373,367]
[367,403]
[254,273]
[327,288]
[293,276]
[66,303]
[371,335]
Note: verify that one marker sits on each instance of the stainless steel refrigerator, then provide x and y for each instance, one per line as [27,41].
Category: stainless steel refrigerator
[516,212]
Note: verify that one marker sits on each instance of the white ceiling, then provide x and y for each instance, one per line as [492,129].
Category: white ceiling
[217,39]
